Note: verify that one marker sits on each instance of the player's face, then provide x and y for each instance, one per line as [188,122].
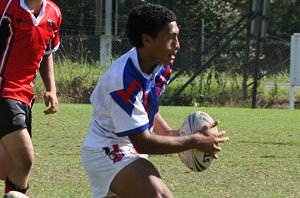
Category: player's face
[166,45]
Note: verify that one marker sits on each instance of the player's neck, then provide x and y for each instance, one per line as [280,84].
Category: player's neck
[146,62]
[34,5]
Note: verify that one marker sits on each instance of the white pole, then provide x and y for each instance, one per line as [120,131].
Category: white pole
[294,67]
[105,40]
[292,98]
[108,11]
[116,17]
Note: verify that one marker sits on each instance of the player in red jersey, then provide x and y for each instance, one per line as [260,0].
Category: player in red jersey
[29,33]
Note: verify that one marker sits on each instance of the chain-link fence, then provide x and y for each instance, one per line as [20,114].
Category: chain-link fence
[224,62]
[274,55]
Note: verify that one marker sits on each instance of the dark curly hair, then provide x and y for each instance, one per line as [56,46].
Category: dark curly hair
[148,19]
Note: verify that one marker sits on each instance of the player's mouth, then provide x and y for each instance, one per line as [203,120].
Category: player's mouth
[173,55]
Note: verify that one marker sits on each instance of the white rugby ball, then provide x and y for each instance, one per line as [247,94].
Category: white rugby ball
[14,194]
[194,159]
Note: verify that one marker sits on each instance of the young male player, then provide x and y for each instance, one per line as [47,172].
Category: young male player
[125,103]
[29,33]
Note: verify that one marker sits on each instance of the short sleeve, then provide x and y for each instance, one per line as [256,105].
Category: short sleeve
[128,113]
[54,43]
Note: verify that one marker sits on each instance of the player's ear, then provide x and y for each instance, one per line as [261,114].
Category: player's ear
[146,39]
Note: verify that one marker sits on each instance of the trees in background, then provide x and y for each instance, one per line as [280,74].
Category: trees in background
[218,16]
[79,16]
[284,18]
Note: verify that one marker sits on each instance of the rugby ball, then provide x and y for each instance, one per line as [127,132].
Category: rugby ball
[194,159]
[14,194]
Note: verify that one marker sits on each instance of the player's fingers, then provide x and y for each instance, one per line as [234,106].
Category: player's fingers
[47,111]
[221,133]
[214,124]
[208,126]
[223,139]
[214,155]
[204,128]
[46,100]
[52,109]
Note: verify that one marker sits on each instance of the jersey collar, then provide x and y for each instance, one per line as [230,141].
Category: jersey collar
[35,20]
[135,61]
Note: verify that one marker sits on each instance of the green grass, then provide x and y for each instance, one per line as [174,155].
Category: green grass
[262,158]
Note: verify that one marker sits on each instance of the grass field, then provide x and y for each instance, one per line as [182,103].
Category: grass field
[261,160]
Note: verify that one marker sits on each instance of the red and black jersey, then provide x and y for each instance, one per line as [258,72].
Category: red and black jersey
[24,39]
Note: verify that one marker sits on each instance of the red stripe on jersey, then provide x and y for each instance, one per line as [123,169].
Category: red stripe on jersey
[167,72]
[126,94]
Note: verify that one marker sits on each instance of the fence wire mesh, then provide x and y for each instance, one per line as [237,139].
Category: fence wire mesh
[273,60]
[274,55]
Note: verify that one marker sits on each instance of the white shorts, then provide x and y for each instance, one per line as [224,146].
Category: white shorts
[102,165]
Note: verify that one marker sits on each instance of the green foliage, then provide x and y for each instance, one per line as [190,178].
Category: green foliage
[74,81]
[218,13]
[78,16]
[224,89]
[217,90]
[284,18]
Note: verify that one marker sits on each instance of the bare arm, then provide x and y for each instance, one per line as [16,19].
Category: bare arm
[161,127]
[205,140]
[47,73]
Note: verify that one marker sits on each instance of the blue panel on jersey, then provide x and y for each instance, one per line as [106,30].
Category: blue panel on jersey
[134,82]
[126,97]
[133,131]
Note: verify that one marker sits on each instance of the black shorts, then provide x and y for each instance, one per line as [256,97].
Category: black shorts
[14,115]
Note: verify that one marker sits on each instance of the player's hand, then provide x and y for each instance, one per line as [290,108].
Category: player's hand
[174,132]
[50,98]
[210,138]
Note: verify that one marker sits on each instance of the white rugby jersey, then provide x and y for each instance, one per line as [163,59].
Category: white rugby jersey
[125,101]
